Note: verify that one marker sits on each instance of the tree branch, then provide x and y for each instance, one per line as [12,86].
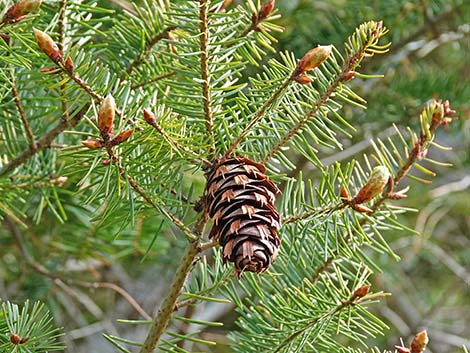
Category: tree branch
[148,48]
[206,92]
[259,115]
[24,119]
[153,80]
[44,141]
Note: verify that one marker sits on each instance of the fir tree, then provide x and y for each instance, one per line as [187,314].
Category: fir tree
[126,136]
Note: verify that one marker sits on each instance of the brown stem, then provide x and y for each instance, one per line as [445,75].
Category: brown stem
[44,142]
[206,92]
[315,211]
[259,115]
[148,48]
[153,80]
[95,95]
[350,64]
[24,119]
[167,307]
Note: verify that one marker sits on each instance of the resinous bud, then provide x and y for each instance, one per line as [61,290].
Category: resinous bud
[48,46]
[374,186]
[314,58]
[106,115]
[19,10]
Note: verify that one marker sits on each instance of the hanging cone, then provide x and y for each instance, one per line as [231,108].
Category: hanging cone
[240,200]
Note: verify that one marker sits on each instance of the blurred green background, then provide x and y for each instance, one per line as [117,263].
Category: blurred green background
[431,285]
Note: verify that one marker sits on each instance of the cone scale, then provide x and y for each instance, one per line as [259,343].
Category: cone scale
[240,201]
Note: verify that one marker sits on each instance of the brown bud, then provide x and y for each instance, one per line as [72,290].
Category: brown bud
[19,10]
[266,9]
[344,193]
[362,209]
[419,343]
[149,117]
[122,137]
[374,186]
[48,46]
[15,339]
[438,114]
[303,79]
[348,75]
[361,292]
[106,162]
[106,115]
[92,144]
[69,64]
[24,340]
[314,57]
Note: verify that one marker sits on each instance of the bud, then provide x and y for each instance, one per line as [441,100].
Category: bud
[18,11]
[149,117]
[374,186]
[438,114]
[92,144]
[344,193]
[122,137]
[106,115]
[314,57]
[303,79]
[419,343]
[361,292]
[24,340]
[348,76]
[361,208]
[15,339]
[266,10]
[48,46]
[69,64]
[106,162]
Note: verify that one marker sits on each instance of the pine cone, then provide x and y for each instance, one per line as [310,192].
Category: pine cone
[240,200]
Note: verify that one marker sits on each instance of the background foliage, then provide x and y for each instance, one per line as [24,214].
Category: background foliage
[100,237]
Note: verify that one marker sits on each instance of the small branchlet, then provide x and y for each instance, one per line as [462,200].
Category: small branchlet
[48,46]
[20,10]
[418,344]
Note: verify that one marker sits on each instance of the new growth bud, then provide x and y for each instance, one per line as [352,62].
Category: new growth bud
[92,144]
[374,186]
[48,46]
[106,115]
[149,117]
[266,10]
[314,58]
[18,11]
[122,137]
[361,292]
[419,343]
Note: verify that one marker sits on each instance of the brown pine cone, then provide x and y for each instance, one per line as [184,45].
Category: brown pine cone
[240,200]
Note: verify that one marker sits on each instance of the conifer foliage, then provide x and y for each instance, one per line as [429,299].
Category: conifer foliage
[120,129]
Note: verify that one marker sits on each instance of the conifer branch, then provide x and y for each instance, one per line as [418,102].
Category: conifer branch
[146,52]
[441,113]
[45,141]
[161,208]
[153,80]
[259,115]
[61,45]
[206,88]
[169,303]
[85,86]
[354,299]
[350,64]
[24,119]
[150,119]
